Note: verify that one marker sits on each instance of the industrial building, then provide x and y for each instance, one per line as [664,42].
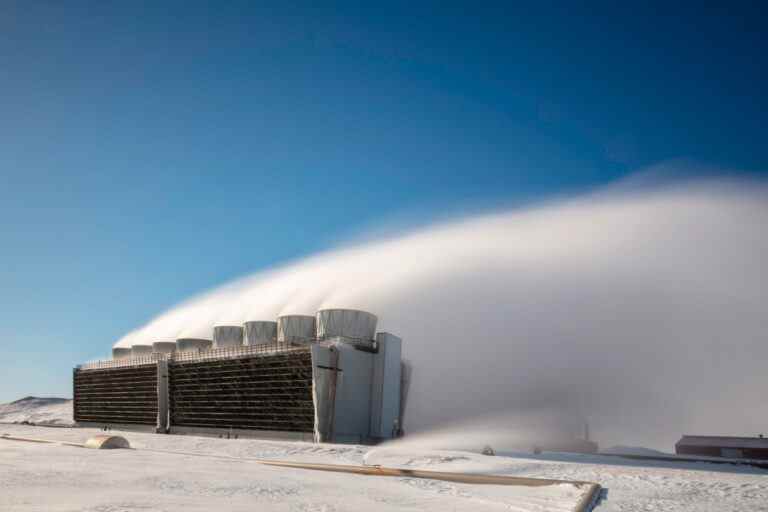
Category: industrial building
[323,377]
[753,448]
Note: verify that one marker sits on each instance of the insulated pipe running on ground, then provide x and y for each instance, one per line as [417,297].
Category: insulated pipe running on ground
[585,503]
[100,442]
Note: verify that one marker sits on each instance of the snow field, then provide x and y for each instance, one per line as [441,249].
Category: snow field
[215,474]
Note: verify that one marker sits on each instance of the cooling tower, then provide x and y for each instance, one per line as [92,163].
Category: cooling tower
[141,350]
[347,323]
[260,332]
[121,353]
[295,328]
[193,344]
[164,347]
[227,336]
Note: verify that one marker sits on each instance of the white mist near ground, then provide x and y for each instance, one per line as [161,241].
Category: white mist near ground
[522,430]
[642,310]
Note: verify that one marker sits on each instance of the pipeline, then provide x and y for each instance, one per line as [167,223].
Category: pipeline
[588,500]
[8,437]
[585,504]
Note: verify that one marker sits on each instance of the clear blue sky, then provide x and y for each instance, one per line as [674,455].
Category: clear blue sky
[150,152]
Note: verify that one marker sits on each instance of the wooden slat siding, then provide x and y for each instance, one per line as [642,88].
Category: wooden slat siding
[121,395]
[265,392]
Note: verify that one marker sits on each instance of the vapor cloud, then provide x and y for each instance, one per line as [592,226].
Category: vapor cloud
[642,310]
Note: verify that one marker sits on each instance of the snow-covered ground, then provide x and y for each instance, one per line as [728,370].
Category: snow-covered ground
[215,474]
[40,411]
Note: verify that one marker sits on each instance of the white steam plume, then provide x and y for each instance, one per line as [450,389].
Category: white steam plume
[642,310]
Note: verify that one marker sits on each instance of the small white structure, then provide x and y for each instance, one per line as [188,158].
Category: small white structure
[227,336]
[121,353]
[295,328]
[164,347]
[260,332]
[193,344]
[346,323]
[141,350]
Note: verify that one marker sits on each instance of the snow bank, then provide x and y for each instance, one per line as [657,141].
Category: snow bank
[634,450]
[38,411]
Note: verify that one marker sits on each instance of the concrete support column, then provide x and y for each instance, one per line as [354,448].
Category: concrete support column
[75,397]
[163,420]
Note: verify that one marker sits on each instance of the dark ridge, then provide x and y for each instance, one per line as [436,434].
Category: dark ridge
[40,400]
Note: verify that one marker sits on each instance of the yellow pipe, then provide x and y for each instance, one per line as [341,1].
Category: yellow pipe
[35,440]
[588,499]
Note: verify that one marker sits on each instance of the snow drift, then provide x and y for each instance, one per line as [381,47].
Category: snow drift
[38,411]
[642,309]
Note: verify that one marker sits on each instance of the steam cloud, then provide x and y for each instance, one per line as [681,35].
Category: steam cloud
[642,310]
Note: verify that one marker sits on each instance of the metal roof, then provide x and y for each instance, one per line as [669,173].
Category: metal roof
[724,441]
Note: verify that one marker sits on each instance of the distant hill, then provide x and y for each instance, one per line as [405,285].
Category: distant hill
[633,450]
[38,411]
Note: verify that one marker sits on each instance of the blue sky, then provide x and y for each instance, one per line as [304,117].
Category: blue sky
[150,152]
